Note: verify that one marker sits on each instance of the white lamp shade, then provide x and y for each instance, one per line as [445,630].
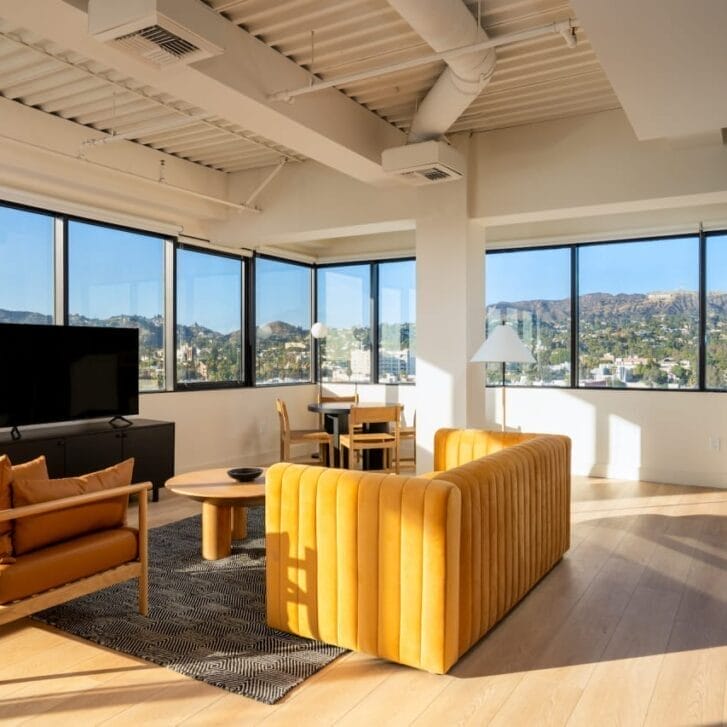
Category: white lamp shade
[319,330]
[503,346]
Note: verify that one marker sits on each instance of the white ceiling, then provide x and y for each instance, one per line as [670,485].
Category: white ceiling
[534,80]
[43,75]
[218,112]
[666,60]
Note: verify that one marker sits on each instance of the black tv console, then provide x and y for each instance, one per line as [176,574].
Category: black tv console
[75,449]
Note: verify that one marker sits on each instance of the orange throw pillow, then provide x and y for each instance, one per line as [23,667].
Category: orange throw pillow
[38,531]
[6,502]
[35,469]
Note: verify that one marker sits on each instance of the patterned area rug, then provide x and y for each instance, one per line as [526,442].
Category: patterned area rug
[206,618]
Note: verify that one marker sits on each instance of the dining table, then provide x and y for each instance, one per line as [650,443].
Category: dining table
[335,418]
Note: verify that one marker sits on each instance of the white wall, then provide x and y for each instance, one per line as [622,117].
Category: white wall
[653,436]
[229,427]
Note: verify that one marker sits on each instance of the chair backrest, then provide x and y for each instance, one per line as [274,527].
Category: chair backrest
[413,421]
[330,399]
[375,415]
[284,429]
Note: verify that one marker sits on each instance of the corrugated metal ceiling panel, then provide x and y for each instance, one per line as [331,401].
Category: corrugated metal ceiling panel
[533,81]
[38,74]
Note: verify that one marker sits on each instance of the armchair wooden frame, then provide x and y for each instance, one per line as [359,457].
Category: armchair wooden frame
[138,568]
[289,436]
[359,439]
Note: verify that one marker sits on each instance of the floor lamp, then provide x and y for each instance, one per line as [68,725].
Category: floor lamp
[503,346]
[319,330]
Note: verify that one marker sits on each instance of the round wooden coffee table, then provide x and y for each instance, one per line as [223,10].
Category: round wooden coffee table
[224,506]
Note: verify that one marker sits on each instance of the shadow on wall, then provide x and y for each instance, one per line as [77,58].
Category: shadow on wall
[678,437]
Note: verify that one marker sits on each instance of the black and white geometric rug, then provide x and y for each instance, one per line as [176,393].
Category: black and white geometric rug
[206,618]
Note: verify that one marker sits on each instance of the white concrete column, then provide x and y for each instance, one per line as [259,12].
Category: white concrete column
[450,315]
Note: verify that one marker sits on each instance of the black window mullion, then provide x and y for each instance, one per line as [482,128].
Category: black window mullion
[574,323]
[249,323]
[375,332]
[702,348]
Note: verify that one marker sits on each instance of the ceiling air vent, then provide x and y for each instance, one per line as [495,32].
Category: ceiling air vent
[160,32]
[428,162]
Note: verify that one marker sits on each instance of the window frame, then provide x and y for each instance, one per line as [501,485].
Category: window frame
[252,319]
[242,382]
[373,311]
[700,236]
[247,259]
[58,262]
[571,293]
[62,269]
[373,264]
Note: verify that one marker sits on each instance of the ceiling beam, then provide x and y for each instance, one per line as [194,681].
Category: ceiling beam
[330,128]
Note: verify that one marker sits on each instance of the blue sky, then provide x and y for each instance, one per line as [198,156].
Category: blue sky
[344,294]
[208,291]
[111,272]
[26,261]
[527,275]
[717,264]
[282,293]
[397,290]
[638,267]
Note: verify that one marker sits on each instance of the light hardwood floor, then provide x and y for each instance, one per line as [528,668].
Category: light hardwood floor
[629,629]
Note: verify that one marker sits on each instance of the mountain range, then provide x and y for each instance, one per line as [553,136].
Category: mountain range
[622,305]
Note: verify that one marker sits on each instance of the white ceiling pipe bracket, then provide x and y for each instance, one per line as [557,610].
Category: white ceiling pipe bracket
[445,24]
[265,182]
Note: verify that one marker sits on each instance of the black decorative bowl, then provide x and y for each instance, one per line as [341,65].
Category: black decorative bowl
[245,474]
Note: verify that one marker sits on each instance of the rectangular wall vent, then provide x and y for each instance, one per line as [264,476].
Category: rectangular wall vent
[161,32]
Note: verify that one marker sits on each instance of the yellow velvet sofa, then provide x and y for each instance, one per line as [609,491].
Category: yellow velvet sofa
[416,569]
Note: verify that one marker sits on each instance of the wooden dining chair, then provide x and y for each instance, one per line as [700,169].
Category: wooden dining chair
[407,433]
[331,399]
[289,436]
[388,440]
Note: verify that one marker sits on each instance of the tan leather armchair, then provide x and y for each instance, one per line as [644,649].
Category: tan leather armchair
[71,568]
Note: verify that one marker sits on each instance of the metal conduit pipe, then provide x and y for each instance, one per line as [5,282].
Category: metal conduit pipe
[446,24]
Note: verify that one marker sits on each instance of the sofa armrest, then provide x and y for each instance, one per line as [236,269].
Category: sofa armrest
[62,503]
[455,447]
[365,561]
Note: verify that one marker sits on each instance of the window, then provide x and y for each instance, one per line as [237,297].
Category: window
[344,305]
[26,266]
[209,317]
[116,278]
[530,290]
[638,311]
[282,322]
[397,322]
[716,313]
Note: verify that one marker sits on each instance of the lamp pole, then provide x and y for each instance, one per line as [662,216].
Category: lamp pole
[318,331]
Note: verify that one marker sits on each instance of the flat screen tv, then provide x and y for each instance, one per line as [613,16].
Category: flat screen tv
[62,373]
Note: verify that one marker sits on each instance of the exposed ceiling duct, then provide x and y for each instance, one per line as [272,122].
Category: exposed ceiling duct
[444,25]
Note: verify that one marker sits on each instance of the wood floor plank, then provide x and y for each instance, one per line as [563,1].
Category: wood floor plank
[399,699]
[629,628]
[538,700]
